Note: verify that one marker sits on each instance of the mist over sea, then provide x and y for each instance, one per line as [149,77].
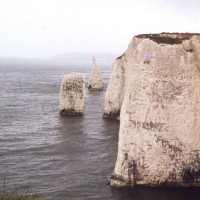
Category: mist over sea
[61,158]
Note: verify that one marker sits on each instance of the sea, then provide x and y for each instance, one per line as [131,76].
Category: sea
[61,158]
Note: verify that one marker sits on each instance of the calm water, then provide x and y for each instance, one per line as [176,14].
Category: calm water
[61,158]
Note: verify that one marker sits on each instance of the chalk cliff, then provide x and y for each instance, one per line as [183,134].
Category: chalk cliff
[158,81]
[117,86]
[95,80]
[72,95]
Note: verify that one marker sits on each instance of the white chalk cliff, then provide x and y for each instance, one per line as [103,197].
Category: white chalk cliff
[157,82]
[122,70]
[72,95]
[95,80]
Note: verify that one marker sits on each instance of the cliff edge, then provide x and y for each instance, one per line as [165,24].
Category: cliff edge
[156,85]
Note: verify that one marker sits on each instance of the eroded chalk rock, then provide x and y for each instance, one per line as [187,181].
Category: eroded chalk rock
[116,88]
[123,67]
[122,70]
[159,138]
[72,95]
[95,80]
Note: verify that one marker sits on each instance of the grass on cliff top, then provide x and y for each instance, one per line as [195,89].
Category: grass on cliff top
[166,38]
[17,196]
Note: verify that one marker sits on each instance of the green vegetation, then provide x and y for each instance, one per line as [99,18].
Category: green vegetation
[4,195]
[17,196]
[168,38]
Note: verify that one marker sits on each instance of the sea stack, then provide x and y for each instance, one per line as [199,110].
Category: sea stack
[159,137]
[72,95]
[117,86]
[95,80]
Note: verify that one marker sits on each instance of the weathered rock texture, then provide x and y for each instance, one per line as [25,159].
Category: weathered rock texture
[159,139]
[95,80]
[72,95]
[123,67]
[122,70]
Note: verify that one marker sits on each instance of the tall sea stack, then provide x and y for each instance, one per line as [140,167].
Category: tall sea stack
[122,70]
[72,95]
[157,81]
[95,80]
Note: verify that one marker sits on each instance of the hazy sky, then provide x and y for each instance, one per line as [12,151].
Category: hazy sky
[41,28]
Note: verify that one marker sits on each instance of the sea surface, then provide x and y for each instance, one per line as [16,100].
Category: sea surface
[61,158]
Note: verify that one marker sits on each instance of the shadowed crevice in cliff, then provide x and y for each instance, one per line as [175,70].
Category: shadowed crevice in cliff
[133,172]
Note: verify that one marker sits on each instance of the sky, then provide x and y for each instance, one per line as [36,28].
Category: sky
[43,28]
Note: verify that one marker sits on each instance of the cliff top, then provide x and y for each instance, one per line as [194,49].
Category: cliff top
[168,38]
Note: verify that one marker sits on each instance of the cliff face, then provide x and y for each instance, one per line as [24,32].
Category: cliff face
[116,88]
[159,139]
[72,95]
[123,67]
[121,73]
[95,80]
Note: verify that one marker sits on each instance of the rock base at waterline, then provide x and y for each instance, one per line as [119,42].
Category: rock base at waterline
[70,113]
